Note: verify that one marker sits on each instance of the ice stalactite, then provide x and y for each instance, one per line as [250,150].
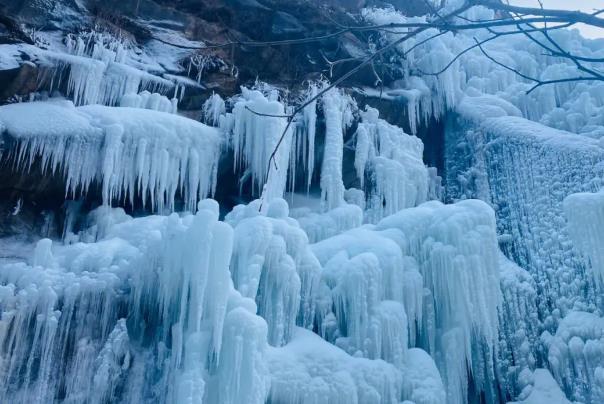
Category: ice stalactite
[257,124]
[585,214]
[310,125]
[213,109]
[130,152]
[302,152]
[100,69]
[337,108]
[92,81]
[49,320]
[392,160]
[367,285]
[456,250]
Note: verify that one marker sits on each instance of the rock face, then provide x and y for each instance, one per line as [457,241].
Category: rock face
[211,22]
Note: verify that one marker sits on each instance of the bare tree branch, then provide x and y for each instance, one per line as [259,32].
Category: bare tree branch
[538,83]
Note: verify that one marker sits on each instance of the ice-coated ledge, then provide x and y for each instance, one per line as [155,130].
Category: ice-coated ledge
[131,152]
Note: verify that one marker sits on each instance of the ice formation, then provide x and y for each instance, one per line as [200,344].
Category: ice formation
[257,125]
[132,153]
[352,286]
[585,213]
[393,162]
[338,116]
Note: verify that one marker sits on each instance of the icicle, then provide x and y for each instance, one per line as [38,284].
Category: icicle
[213,108]
[336,108]
[259,127]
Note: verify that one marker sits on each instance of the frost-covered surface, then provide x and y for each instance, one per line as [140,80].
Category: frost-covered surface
[526,170]
[576,355]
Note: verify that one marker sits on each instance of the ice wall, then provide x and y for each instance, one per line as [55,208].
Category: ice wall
[531,175]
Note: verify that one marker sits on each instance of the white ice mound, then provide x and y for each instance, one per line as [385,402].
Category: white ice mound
[576,356]
[542,390]
[310,370]
[131,152]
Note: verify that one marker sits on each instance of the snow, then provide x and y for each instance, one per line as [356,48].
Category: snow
[131,152]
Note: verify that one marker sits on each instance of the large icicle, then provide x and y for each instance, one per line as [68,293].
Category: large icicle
[258,123]
[393,162]
[338,116]
[186,328]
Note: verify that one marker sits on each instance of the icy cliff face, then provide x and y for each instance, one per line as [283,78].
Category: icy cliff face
[326,269]
[541,182]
